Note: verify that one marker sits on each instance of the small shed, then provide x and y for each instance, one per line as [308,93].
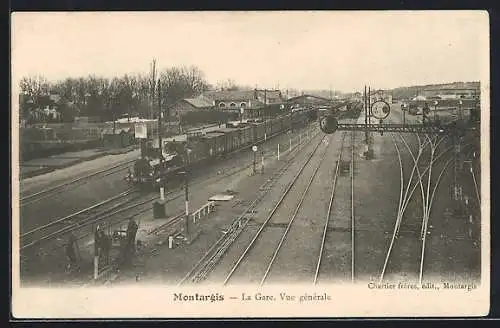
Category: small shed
[122,137]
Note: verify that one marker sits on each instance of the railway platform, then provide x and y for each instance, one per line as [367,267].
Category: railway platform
[41,166]
[153,233]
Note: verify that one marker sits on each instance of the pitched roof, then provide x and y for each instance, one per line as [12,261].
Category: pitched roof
[199,102]
[230,95]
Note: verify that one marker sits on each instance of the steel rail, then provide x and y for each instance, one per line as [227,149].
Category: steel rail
[405,197]
[427,195]
[123,194]
[475,184]
[252,242]
[28,199]
[294,215]
[221,243]
[420,176]
[83,223]
[328,213]
[425,231]
[425,171]
[399,215]
[72,215]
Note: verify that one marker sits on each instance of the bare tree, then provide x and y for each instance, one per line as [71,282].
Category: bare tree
[228,84]
[99,96]
[195,79]
[33,88]
[182,82]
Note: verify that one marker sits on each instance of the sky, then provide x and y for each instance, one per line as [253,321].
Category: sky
[303,50]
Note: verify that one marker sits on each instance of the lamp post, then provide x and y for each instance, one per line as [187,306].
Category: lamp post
[435,109]
[160,118]
[254,149]
[460,116]
[404,113]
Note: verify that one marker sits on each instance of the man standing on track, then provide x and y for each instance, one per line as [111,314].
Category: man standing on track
[130,243]
[71,254]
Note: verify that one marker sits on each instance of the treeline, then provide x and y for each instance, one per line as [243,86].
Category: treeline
[110,97]
[412,91]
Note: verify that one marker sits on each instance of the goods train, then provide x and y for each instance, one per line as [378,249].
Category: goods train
[202,148]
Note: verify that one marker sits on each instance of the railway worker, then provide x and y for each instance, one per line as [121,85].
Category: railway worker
[104,244]
[71,254]
[131,233]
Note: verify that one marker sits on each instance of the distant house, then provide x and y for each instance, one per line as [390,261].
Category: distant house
[193,104]
[231,102]
[444,93]
[251,101]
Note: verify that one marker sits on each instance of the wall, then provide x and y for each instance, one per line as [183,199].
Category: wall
[246,102]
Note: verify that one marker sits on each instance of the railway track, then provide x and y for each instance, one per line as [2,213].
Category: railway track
[116,205]
[77,220]
[476,188]
[265,235]
[329,239]
[109,212]
[47,192]
[412,230]
[212,257]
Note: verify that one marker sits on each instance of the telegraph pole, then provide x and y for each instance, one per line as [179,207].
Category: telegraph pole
[366,105]
[369,99]
[160,117]
[366,114]
[153,80]
[265,114]
[265,130]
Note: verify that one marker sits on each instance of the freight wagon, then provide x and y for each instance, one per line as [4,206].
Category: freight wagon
[199,149]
